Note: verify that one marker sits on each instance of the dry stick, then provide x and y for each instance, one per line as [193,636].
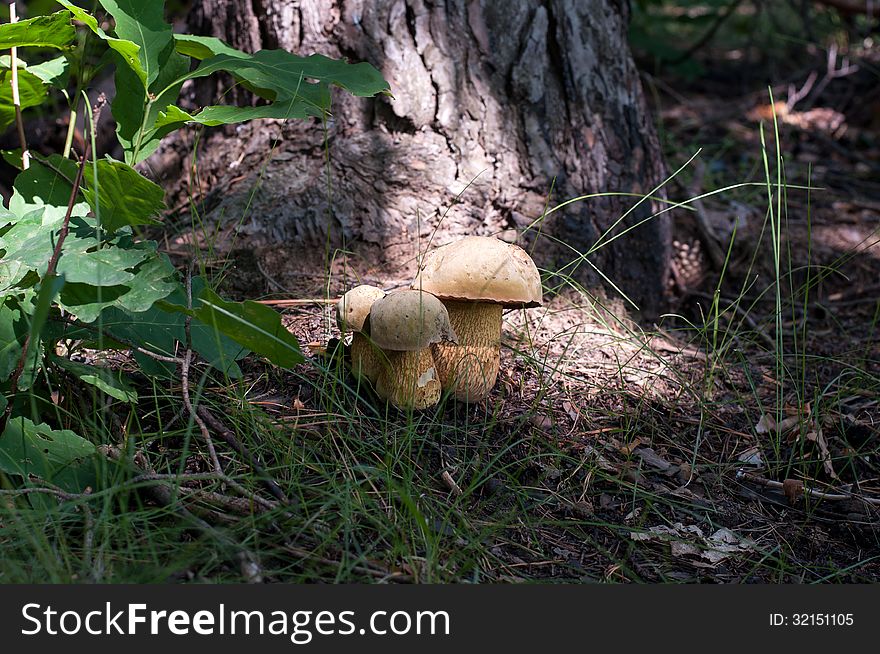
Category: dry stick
[163,494]
[16,99]
[203,428]
[65,225]
[365,569]
[209,442]
[229,438]
[833,497]
[298,303]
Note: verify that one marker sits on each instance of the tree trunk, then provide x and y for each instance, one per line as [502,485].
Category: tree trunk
[500,101]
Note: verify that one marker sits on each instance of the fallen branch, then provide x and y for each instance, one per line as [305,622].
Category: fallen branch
[298,303]
[230,439]
[203,427]
[790,486]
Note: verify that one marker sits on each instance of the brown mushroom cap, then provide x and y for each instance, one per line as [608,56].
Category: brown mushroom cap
[354,307]
[481,269]
[408,321]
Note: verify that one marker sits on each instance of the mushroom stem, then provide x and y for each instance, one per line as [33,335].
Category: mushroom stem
[409,379]
[365,361]
[470,368]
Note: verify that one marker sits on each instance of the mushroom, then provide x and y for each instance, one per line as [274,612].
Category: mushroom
[476,278]
[351,315]
[404,325]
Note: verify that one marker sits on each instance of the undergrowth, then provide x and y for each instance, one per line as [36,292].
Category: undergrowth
[716,445]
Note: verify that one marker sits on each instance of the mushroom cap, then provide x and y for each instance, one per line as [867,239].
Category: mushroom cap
[354,307]
[481,269]
[408,321]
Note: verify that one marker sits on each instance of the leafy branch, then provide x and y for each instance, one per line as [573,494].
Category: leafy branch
[71,266]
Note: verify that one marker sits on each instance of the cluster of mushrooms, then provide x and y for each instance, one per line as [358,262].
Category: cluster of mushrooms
[444,333]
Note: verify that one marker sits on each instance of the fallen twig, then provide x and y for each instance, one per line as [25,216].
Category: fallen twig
[298,303]
[203,428]
[230,439]
[799,486]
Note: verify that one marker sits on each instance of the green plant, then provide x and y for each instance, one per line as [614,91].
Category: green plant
[73,269]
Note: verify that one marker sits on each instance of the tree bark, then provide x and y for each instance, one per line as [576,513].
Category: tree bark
[496,103]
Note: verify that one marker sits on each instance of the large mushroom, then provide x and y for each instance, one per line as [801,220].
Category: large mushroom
[476,278]
[404,325]
[351,315]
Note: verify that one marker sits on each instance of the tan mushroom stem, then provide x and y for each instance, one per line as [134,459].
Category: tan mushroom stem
[365,359]
[409,379]
[470,368]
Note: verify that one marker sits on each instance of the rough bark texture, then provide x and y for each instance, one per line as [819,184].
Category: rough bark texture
[500,96]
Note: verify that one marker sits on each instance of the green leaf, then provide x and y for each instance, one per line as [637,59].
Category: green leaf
[125,197]
[107,266]
[226,114]
[112,382]
[202,47]
[11,272]
[150,283]
[11,337]
[53,72]
[143,23]
[31,241]
[253,325]
[52,31]
[134,108]
[40,186]
[127,50]
[50,287]
[287,74]
[32,92]
[15,325]
[60,456]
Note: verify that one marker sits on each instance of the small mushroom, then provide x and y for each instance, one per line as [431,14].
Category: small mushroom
[476,278]
[351,316]
[404,325]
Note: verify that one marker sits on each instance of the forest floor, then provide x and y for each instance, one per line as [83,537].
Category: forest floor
[734,440]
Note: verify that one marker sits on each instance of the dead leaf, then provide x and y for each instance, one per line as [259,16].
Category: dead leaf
[751,457]
[793,489]
[627,449]
[724,543]
[818,437]
[765,424]
[571,410]
[651,458]
[689,540]
[541,422]
[583,509]
[450,482]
